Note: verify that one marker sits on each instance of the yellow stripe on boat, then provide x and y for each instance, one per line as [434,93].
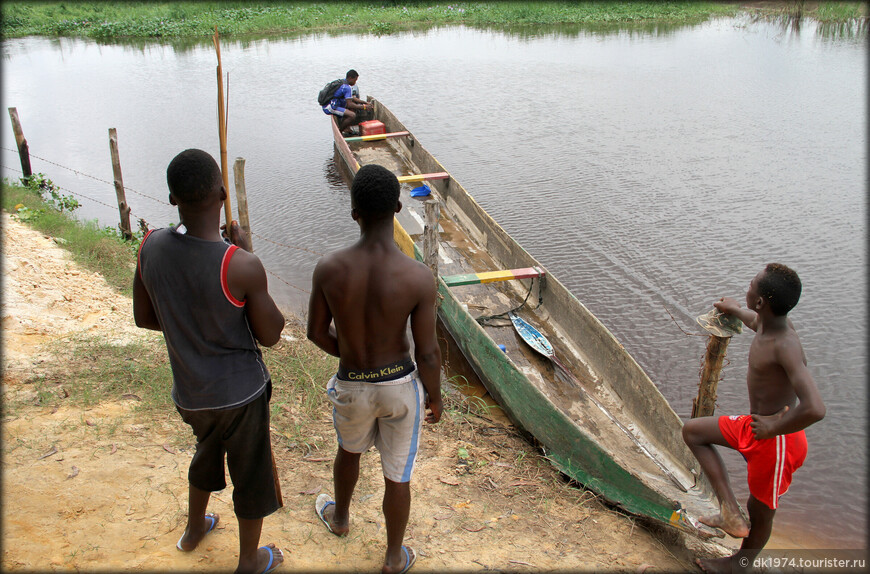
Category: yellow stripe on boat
[492,276]
[421,176]
[402,239]
[375,137]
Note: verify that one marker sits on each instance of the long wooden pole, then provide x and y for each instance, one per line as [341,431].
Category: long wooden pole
[123,208]
[704,405]
[23,149]
[242,198]
[222,131]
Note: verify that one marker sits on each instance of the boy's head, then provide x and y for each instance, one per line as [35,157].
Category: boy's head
[351,77]
[778,285]
[192,176]
[374,193]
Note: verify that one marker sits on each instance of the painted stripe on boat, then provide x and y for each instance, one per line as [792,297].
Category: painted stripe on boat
[374,137]
[421,176]
[492,276]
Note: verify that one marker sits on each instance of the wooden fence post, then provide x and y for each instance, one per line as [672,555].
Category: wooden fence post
[23,150]
[430,234]
[123,208]
[242,197]
[705,403]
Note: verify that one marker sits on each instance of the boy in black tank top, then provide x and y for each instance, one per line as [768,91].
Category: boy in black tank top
[210,300]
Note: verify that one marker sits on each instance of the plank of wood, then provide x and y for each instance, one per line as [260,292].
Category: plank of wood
[422,176]
[375,137]
[492,276]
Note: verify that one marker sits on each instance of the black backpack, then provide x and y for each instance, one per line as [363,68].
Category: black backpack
[328,91]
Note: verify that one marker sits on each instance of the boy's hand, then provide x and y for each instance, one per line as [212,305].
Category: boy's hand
[237,235]
[763,426]
[435,407]
[727,305]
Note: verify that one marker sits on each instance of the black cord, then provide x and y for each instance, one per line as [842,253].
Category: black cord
[484,319]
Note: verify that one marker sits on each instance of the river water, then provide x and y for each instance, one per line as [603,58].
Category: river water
[653,170]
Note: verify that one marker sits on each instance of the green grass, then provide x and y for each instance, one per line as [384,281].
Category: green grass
[99,249]
[109,20]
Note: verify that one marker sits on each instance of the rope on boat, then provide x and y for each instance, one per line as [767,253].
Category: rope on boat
[486,320]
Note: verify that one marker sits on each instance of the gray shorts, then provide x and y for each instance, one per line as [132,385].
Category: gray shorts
[387,414]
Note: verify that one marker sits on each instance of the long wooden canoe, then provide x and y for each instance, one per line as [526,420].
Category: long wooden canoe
[606,425]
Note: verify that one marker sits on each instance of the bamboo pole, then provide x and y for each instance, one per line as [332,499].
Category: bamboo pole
[430,234]
[222,131]
[242,197]
[23,149]
[123,208]
[704,405]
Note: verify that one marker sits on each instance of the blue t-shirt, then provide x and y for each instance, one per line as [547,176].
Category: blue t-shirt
[341,94]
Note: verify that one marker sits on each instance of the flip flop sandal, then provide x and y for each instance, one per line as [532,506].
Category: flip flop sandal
[214,522]
[320,505]
[410,558]
[269,566]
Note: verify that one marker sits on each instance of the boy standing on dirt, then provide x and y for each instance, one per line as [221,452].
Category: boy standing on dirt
[379,396]
[211,302]
[783,401]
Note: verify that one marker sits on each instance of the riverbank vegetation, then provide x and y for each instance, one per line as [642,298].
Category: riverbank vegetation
[39,203]
[108,20]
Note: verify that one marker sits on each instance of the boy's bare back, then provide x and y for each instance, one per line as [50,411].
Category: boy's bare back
[371,290]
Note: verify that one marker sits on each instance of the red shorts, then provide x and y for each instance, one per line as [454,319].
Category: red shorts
[769,462]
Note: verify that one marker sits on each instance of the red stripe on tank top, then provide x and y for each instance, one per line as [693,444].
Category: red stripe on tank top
[225,266]
[139,252]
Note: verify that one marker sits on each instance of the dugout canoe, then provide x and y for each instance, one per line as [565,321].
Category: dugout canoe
[605,424]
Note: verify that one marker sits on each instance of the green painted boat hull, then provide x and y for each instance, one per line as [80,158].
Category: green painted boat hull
[571,446]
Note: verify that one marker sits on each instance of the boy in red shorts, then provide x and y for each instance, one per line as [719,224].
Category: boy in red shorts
[783,401]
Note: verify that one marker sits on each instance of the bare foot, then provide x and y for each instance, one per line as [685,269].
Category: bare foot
[192,537]
[715,565]
[269,557]
[733,524]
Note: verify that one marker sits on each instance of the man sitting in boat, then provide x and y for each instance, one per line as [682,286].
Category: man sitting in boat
[783,401]
[344,102]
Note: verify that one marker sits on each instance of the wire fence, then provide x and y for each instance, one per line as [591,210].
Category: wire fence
[142,222]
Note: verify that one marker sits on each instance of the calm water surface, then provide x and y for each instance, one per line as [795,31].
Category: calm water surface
[653,171]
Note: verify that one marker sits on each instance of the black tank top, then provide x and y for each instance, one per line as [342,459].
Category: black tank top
[216,362]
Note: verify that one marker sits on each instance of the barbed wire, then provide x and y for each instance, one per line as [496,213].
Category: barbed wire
[285,245]
[83,196]
[142,220]
[77,172]
[287,282]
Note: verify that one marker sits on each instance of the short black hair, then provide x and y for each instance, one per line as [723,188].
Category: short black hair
[375,191]
[193,175]
[781,286]
[351,74]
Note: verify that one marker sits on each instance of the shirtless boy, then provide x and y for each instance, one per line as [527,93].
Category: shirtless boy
[211,302]
[783,401]
[370,290]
